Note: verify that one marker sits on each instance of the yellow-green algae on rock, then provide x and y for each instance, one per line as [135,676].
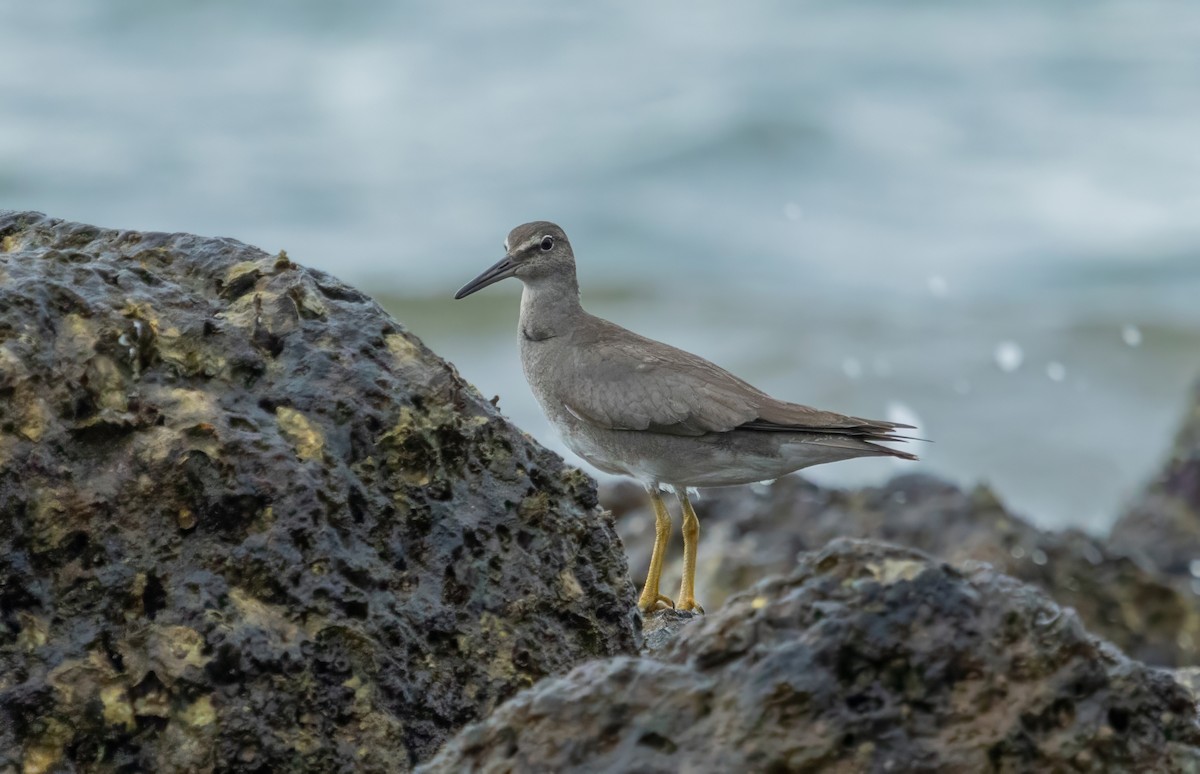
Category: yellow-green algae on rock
[250,523]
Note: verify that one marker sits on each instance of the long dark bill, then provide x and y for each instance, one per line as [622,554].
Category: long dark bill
[504,269]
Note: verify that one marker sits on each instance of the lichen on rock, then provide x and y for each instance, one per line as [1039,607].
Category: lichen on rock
[250,523]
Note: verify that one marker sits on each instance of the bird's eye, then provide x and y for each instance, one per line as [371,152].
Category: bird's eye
[547,244]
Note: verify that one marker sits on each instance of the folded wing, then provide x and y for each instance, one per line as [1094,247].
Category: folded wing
[623,381]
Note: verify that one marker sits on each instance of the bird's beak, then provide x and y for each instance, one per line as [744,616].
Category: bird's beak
[504,269]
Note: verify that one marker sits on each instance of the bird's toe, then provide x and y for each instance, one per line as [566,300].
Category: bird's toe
[657,602]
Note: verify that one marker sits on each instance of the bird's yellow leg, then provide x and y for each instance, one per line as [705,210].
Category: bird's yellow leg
[691,536]
[650,599]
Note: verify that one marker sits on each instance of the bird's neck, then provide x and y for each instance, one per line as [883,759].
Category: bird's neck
[549,307]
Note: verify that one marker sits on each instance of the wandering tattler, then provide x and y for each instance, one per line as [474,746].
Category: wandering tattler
[636,407]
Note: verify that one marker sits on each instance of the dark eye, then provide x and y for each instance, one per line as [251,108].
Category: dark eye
[547,244]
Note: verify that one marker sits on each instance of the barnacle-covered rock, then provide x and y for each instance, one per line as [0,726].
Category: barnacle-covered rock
[249,523]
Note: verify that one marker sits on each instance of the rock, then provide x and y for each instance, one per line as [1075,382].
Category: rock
[1189,677]
[660,628]
[866,658]
[1163,523]
[748,533]
[250,523]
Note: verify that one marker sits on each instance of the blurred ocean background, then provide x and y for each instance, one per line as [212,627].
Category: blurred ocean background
[984,216]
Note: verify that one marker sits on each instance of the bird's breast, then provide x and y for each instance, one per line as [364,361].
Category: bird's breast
[538,359]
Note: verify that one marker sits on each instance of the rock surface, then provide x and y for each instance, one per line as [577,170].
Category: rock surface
[866,658]
[1163,524]
[249,523]
[748,533]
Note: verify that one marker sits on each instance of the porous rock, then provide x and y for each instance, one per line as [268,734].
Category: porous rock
[866,658]
[250,523]
[748,533]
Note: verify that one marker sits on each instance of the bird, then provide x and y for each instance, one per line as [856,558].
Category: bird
[633,406]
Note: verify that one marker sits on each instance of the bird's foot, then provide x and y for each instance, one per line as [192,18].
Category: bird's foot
[649,603]
[689,604]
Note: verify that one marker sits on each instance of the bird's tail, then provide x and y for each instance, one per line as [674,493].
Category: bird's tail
[859,446]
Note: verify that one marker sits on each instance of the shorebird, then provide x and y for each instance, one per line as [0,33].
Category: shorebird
[636,407]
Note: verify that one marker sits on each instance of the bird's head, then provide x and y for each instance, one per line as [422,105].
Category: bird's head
[533,251]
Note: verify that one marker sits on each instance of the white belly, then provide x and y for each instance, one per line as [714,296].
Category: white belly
[688,461]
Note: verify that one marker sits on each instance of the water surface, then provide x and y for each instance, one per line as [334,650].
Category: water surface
[982,215]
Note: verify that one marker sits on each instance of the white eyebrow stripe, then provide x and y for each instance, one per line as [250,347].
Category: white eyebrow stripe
[528,243]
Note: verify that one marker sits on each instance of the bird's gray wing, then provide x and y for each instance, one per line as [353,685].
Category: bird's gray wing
[622,381]
[636,384]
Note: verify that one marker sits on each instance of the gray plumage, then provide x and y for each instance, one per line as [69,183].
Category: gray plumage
[634,406]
